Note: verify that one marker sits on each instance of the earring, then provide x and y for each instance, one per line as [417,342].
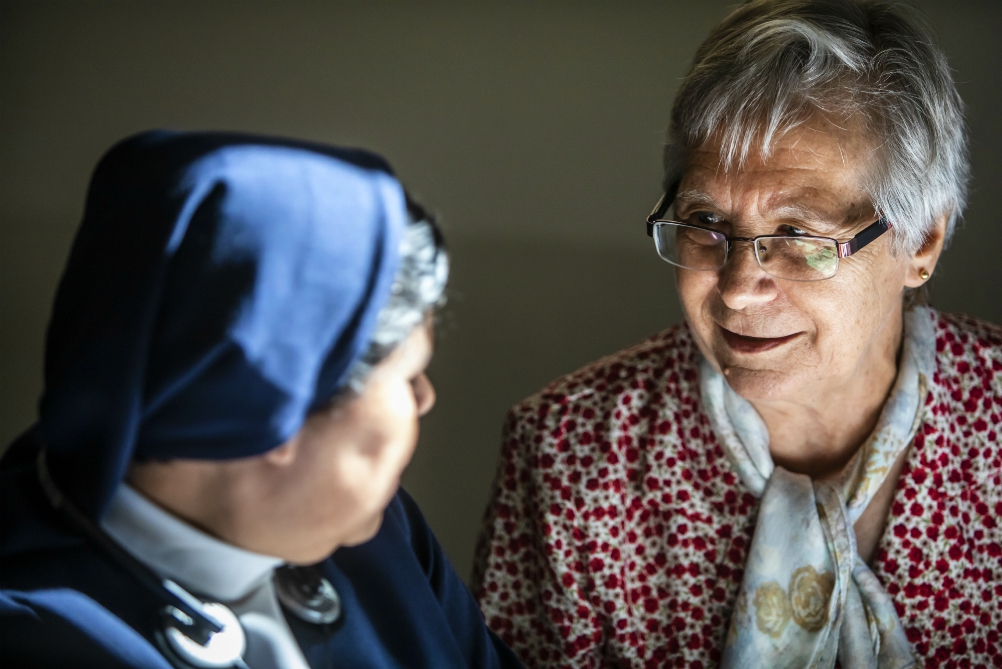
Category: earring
[924,274]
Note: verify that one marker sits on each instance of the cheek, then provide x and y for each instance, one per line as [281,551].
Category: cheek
[847,311]
[399,406]
[695,291]
[388,435]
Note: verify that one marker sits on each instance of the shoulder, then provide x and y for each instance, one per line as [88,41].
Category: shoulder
[943,536]
[967,385]
[954,471]
[45,627]
[662,369]
[964,406]
[619,431]
[58,597]
[406,601]
[57,603]
[969,347]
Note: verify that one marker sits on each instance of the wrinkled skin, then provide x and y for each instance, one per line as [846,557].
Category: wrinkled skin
[820,384]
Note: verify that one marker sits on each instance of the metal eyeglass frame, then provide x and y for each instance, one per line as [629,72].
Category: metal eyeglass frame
[844,249]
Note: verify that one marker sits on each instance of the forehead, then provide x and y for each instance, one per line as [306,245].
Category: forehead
[808,167]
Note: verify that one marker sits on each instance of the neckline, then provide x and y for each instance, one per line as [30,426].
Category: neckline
[175,549]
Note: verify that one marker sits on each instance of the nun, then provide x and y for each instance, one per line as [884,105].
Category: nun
[234,373]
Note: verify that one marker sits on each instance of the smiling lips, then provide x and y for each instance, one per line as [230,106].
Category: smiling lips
[743,344]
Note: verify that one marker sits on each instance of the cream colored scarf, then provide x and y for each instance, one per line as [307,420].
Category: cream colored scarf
[807,597]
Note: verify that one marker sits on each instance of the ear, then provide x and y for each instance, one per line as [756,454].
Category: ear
[924,260]
[284,454]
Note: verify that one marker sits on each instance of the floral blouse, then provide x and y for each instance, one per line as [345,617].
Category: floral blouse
[617,529]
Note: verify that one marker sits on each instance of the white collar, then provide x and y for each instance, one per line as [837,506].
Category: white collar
[176,550]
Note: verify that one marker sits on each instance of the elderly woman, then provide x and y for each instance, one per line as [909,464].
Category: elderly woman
[234,376]
[808,469]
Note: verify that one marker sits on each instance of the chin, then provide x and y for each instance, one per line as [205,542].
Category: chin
[769,376]
[764,385]
[362,533]
[308,556]
[365,532]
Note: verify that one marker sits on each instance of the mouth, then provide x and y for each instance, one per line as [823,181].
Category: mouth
[743,344]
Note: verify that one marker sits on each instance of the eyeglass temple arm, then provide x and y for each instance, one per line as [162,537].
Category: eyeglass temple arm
[661,207]
[655,215]
[846,249]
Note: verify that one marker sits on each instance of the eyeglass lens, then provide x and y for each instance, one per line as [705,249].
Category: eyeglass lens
[792,258]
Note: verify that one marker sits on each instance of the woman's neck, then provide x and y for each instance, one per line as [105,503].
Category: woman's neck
[817,432]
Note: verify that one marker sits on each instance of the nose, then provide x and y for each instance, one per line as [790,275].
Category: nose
[424,393]
[741,282]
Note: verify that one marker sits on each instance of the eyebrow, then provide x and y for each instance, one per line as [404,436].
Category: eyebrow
[695,197]
[806,213]
[788,207]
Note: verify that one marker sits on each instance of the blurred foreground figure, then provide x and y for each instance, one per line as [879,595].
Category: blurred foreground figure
[233,380]
[808,469]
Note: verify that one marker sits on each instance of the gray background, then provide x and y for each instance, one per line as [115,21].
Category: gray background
[533,129]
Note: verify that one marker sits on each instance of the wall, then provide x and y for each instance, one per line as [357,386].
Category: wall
[534,129]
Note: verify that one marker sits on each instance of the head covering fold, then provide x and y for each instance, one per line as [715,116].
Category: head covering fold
[219,288]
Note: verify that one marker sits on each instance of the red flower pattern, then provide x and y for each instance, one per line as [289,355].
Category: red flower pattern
[617,530]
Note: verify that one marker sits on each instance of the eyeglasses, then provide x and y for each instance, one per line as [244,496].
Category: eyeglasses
[790,257]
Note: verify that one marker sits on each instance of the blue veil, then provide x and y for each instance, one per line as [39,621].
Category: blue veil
[219,288]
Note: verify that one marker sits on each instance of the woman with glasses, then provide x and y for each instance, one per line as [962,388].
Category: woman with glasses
[808,470]
[234,373]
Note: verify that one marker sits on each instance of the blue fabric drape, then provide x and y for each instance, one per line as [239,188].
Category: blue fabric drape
[220,286]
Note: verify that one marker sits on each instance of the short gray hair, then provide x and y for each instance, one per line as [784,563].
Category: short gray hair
[775,64]
[418,287]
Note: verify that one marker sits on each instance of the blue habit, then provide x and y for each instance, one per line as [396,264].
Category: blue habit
[221,287]
[68,605]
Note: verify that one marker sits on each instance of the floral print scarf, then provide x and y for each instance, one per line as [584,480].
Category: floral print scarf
[807,597]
